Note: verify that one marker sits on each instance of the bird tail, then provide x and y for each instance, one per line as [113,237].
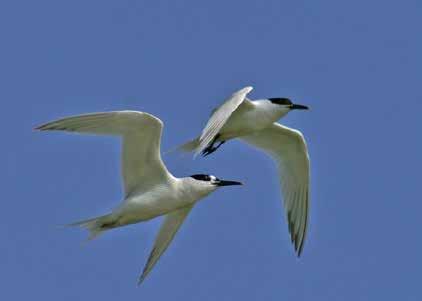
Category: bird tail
[187,147]
[96,225]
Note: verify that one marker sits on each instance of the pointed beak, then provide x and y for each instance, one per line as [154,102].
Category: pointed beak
[298,107]
[228,183]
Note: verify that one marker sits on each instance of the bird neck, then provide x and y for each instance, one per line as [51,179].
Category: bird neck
[269,111]
[192,189]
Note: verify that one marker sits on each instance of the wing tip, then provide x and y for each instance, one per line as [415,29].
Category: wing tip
[142,277]
[248,89]
[41,127]
[299,249]
[298,243]
[52,127]
[141,280]
[147,267]
[244,90]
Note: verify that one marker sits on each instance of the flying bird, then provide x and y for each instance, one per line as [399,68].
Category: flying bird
[255,122]
[150,190]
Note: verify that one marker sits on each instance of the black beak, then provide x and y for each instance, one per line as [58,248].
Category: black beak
[298,107]
[228,183]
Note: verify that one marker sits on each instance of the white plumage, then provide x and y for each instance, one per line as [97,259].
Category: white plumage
[150,189]
[254,122]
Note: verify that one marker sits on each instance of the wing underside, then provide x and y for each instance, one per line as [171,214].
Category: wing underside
[168,230]
[142,165]
[288,149]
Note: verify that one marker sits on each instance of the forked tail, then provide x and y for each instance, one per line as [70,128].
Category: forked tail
[96,225]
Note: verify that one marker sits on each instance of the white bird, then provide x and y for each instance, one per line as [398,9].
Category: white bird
[254,122]
[150,189]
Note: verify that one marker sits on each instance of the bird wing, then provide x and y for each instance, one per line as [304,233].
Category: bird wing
[142,166]
[168,229]
[219,118]
[288,148]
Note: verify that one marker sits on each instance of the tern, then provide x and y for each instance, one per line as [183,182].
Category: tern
[150,190]
[255,122]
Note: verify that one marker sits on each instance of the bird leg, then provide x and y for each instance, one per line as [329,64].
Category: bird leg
[220,144]
[211,148]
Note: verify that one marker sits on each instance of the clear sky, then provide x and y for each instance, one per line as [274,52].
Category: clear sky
[357,64]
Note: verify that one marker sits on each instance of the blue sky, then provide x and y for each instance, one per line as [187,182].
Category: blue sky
[357,64]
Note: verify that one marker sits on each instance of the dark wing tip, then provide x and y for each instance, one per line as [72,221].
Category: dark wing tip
[305,226]
[145,270]
[294,236]
[143,276]
[53,127]
[140,280]
[45,127]
[39,128]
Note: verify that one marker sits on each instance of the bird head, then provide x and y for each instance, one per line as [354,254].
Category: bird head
[209,183]
[286,104]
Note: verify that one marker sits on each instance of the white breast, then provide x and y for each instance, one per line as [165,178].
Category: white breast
[160,200]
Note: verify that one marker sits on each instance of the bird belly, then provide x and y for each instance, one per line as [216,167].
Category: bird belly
[147,206]
[245,124]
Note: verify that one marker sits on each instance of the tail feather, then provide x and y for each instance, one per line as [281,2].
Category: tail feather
[187,147]
[95,226]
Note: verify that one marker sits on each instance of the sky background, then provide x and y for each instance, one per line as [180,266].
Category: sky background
[357,64]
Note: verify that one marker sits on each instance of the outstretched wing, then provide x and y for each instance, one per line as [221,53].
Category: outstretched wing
[142,166]
[219,118]
[288,149]
[166,234]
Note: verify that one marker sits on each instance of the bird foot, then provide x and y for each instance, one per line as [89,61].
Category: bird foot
[211,148]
